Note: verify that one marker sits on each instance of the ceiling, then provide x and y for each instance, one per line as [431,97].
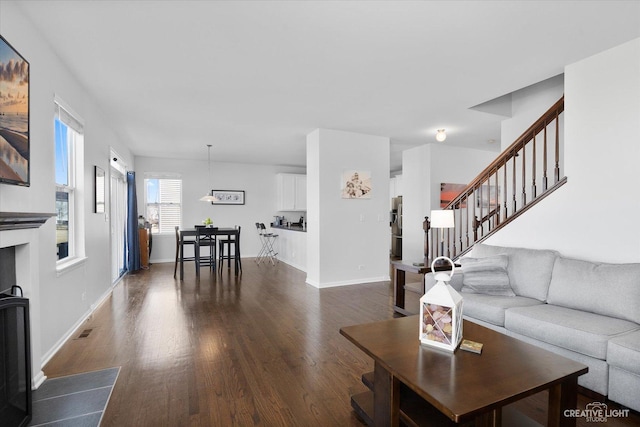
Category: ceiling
[253,78]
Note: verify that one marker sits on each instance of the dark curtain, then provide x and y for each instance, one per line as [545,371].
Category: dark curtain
[133,240]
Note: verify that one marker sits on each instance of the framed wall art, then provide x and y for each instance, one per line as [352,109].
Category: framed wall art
[448,192]
[14,116]
[356,184]
[487,196]
[228,197]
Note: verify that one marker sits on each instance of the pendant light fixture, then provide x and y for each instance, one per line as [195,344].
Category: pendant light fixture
[209,197]
[441,135]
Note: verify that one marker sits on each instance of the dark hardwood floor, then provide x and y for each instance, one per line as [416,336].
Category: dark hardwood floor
[261,349]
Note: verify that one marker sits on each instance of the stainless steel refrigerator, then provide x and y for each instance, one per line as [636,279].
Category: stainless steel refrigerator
[396,227]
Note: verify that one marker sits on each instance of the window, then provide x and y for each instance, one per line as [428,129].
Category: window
[68,139]
[163,196]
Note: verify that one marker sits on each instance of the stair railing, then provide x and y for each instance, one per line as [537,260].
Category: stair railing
[514,182]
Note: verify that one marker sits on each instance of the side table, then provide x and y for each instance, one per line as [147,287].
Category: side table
[400,269]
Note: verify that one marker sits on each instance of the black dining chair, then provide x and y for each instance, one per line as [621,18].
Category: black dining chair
[181,242]
[205,238]
[224,250]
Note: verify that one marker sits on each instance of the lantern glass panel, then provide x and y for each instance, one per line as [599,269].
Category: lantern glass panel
[438,323]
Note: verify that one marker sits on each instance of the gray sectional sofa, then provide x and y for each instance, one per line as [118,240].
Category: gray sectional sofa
[585,311]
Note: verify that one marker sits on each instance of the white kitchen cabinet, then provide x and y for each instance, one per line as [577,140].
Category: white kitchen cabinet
[292,192]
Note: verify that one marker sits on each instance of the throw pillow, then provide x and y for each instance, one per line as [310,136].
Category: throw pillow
[486,276]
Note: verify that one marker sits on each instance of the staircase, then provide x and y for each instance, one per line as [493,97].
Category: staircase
[525,173]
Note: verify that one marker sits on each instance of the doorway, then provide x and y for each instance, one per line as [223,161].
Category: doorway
[118,212]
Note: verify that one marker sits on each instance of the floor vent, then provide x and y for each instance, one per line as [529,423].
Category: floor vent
[85,333]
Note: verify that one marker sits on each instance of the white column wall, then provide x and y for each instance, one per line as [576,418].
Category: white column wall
[424,168]
[416,199]
[348,239]
[313,208]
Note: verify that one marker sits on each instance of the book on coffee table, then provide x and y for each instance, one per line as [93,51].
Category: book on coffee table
[472,346]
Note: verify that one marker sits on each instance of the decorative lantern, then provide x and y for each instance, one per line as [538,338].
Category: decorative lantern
[441,312]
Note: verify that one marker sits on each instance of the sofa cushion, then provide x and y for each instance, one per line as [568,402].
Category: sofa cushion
[486,275]
[529,269]
[490,308]
[624,352]
[607,289]
[579,331]
[455,281]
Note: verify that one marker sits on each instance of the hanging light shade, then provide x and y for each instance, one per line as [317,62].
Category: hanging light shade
[441,135]
[209,197]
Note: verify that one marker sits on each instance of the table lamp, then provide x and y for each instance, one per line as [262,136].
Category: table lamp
[442,219]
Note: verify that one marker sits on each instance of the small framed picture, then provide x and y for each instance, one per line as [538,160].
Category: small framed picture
[228,197]
[356,184]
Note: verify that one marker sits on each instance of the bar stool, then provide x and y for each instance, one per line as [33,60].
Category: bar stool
[263,245]
[267,239]
[235,255]
[205,237]
[181,242]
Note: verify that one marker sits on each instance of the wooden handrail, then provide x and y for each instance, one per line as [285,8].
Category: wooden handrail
[483,206]
[507,153]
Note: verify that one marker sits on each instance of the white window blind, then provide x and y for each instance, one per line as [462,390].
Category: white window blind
[163,202]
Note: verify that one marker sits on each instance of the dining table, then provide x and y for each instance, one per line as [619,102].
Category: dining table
[200,233]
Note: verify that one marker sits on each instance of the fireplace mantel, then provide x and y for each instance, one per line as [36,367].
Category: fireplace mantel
[20,220]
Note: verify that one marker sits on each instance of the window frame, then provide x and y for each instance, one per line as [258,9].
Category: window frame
[74,188]
[162,176]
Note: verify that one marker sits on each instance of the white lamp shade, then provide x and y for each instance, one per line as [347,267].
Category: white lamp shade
[209,198]
[442,219]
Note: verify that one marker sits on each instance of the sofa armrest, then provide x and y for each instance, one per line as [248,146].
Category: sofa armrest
[456,280]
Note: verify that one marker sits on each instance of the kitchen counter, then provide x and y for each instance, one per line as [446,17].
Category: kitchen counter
[292,227]
[291,245]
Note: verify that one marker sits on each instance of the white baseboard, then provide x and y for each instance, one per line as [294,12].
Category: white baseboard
[347,282]
[37,380]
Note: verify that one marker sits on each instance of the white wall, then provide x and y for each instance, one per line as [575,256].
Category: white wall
[602,130]
[257,181]
[528,105]
[417,190]
[59,305]
[347,239]
[424,168]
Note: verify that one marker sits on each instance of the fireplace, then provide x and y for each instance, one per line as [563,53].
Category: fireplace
[15,361]
[19,242]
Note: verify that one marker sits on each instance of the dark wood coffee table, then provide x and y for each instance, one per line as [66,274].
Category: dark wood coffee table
[418,384]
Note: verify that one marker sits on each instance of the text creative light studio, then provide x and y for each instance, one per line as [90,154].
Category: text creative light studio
[596,412]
